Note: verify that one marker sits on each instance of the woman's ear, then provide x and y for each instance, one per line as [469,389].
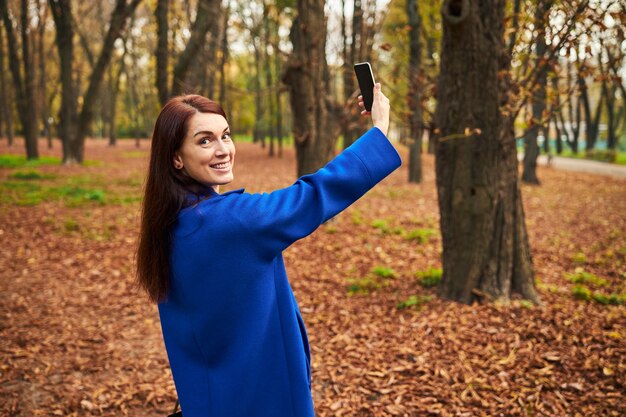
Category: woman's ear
[178,161]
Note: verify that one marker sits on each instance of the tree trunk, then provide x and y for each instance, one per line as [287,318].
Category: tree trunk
[5,101]
[162,50]
[257,134]
[315,121]
[224,59]
[278,89]
[68,114]
[30,125]
[350,124]
[486,254]
[539,96]
[115,88]
[414,96]
[268,77]
[76,127]
[591,123]
[207,16]
[44,110]
[24,88]
[120,16]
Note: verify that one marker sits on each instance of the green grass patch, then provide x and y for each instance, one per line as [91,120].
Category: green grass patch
[581,292]
[610,299]
[430,277]
[384,272]
[582,277]
[19,161]
[414,301]
[31,175]
[385,228]
[420,235]
[377,278]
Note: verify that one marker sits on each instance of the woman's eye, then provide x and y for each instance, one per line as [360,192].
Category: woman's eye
[204,141]
[227,136]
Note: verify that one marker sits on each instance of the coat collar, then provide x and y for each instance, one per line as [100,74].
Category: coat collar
[207,193]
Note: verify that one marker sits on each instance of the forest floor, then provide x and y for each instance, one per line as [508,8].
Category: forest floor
[77,338]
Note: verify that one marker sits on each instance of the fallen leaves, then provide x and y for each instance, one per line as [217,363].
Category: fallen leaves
[78,339]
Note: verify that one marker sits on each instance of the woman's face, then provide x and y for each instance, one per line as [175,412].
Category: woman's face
[208,152]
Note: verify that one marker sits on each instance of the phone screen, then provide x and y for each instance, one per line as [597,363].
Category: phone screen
[365,77]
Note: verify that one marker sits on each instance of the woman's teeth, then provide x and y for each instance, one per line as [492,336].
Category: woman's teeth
[220,166]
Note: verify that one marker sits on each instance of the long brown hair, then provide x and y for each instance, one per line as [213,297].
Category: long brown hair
[166,192]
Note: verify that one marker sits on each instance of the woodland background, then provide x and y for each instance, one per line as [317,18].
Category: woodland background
[464,284]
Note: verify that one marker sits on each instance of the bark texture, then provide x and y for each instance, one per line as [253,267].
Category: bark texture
[486,254]
[316,118]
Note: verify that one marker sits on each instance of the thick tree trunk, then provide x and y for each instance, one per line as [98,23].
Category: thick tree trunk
[486,254]
[414,95]
[539,97]
[316,119]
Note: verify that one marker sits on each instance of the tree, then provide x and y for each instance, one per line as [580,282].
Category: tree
[5,107]
[414,96]
[24,85]
[74,126]
[207,16]
[316,122]
[486,254]
[539,95]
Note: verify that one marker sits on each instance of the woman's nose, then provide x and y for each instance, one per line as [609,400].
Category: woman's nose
[221,148]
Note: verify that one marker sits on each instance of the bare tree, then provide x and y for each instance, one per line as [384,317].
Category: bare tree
[74,126]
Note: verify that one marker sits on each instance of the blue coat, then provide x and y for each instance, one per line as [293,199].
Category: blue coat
[234,336]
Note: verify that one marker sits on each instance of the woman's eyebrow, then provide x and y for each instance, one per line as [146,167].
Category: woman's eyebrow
[207,132]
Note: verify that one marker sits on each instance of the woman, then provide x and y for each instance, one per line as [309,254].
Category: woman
[233,333]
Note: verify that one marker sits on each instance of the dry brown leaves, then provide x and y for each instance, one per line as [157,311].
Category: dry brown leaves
[77,339]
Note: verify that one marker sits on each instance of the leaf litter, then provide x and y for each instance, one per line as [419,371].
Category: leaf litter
[77,339]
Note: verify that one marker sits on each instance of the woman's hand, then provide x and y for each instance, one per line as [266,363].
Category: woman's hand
[380,109]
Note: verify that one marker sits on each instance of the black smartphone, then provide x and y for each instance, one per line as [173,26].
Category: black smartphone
[365,77]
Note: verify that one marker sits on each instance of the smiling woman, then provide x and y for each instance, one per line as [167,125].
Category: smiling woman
[234,335]
[207,156]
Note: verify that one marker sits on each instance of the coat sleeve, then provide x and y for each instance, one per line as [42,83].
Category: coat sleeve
[274,221]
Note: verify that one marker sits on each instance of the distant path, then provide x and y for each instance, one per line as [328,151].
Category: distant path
[582,165]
